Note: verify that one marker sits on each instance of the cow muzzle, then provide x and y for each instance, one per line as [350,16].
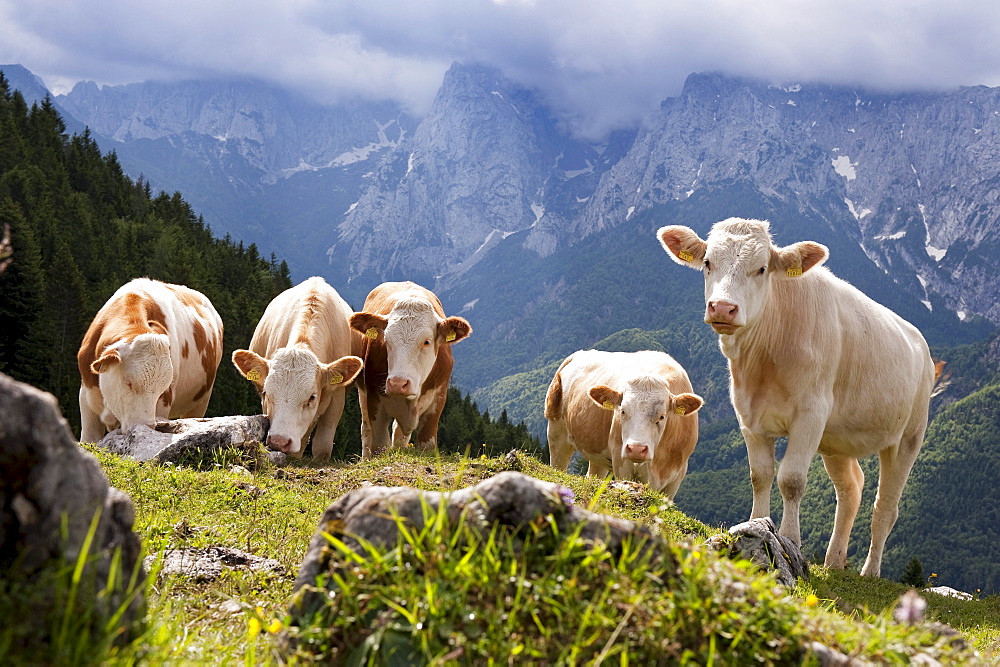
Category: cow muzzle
[399,386]
[279,443]
[721,315]
[638,452]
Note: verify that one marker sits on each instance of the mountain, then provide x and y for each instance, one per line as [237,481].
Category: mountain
[489,160]
[259,163]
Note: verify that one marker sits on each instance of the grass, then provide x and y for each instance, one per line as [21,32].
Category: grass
[446,594]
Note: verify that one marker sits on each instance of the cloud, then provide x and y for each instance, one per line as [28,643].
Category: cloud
[602,63]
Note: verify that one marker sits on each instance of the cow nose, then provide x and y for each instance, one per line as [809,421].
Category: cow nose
[397,385]
[636,452]
[279,443]
[722,311]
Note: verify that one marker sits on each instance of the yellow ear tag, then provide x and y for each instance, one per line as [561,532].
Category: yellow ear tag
[608,405]
[793,271]
[451,336]
[372,333]
[685,255]
[336,379]
[680,410]
[253,376]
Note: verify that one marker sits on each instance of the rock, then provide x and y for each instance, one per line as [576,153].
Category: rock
[208,563]
[50,492]
[950,592]
[198,440]
[509,499]
[758,541]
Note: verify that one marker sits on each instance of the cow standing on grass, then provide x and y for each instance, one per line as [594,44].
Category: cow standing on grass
[406,346]
[151,353]
[632,413]
[814,359]
[299,361]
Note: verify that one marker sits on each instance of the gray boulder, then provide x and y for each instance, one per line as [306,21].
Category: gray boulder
[758,541]
[51,490]
[208,563]
[509,499]
[197,440]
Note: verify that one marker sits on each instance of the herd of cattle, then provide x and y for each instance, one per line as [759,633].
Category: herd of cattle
[811,358]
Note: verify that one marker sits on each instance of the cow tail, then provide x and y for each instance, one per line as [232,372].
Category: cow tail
[942,380]
[553,399]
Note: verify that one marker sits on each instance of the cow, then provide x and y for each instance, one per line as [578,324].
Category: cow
[405,341]
[632,413]
[300,363]
[151,353]
[813,359]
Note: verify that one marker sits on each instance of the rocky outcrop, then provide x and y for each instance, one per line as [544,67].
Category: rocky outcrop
[758,541]
[208,563]
[371,515]
[55,500]
[194,440]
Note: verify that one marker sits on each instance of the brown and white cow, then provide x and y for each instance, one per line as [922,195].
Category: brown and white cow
[151,353]
[814,359]
[406,345]
[299,361]
[629,412]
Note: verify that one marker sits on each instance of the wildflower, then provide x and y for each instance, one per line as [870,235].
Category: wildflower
[275,626]
[910,608]
[812,600]
[566,495]
[254,627]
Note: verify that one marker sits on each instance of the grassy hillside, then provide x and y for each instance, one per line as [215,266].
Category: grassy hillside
[241,616]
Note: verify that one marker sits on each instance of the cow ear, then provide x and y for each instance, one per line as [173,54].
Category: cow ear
[796,259]
[252,366]
[606,397]
[342,371]
[104,363]
[453,329]
[683,245]
[686,404]
[369,324]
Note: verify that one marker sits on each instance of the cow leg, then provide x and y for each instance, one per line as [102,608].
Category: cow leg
[848,480]
[91,426]
[400,437]
[598,470]
[894,468]
[560,449]
[760,453]
[374,426]
[427,431]
[326,427]
[803,442]
[670,490]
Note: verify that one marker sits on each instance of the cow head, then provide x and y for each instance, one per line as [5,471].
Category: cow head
[291,387]
[413,333]
[132,374]
[740,263]
[643,411]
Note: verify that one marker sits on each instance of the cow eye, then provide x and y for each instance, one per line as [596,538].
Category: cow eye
[761,272]
[662,417]
[708,265]
[427,343]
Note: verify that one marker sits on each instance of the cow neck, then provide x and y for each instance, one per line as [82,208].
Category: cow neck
[758,343]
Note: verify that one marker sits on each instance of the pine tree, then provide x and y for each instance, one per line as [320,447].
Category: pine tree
[913,574]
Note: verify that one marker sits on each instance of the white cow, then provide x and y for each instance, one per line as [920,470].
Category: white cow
[299,361]
[814,359]
[630,412]
[151,353]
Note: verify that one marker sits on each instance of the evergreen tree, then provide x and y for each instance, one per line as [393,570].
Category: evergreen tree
[913,574]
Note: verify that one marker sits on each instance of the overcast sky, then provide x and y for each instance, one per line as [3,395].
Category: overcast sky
[602,63]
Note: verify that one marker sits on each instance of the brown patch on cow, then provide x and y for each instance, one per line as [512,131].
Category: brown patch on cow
[205,388]
[185,350]
[126,317]
[167,397]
